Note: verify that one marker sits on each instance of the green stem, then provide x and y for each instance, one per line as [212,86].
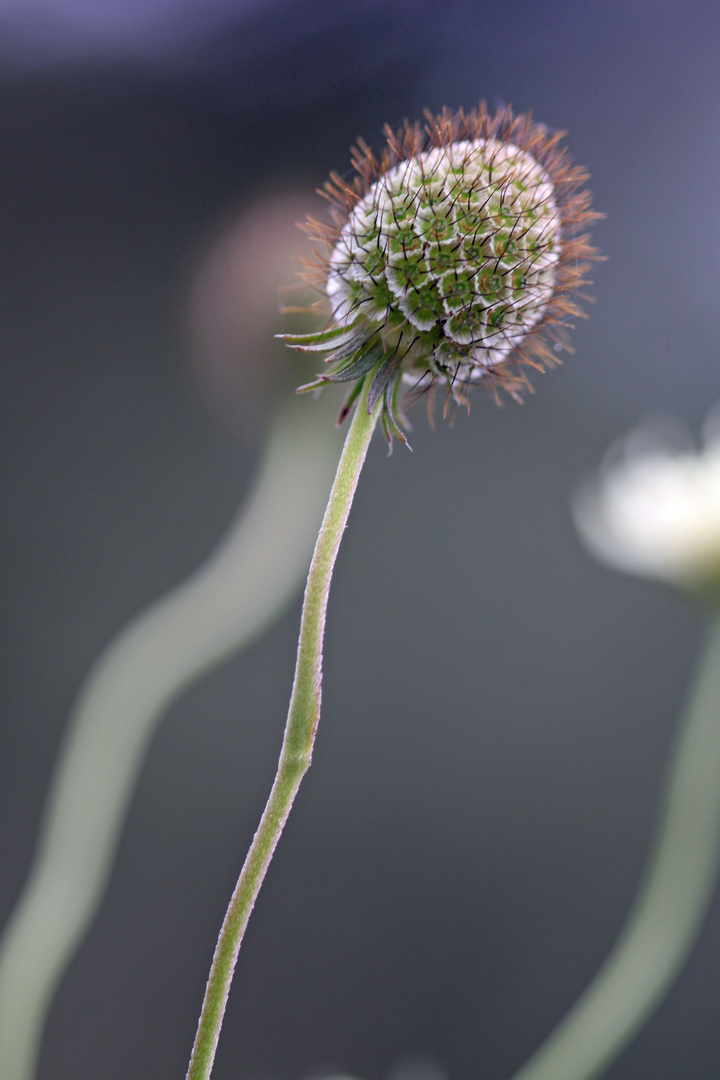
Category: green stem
[298,739]
[671,904]
[227,602]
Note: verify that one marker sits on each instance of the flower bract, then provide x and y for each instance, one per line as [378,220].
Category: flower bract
[447,258]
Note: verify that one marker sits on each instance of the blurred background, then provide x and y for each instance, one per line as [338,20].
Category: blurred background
[497,708]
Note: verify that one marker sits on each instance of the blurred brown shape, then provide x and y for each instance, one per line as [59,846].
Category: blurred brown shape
[235,308]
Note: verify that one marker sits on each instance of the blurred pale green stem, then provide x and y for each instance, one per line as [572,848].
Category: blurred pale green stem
[672,901]
[224,605]
[298,740]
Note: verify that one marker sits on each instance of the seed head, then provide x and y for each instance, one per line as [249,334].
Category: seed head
[447,257]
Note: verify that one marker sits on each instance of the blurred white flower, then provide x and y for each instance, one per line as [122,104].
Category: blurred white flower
[655,510]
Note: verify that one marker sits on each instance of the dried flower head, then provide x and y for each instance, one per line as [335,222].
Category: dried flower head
[447,256]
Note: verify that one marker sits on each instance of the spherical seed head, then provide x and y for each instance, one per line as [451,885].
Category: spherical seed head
[457,246]
[450,254]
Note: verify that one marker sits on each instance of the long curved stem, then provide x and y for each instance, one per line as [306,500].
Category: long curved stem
[224,605]
[298,740]
[670,906]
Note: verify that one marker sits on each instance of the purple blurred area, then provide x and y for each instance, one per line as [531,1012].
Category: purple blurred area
[497,708]
[36,34]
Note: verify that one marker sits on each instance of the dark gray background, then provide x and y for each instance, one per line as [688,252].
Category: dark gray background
[497,708]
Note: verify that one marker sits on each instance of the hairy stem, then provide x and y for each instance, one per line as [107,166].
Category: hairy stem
[672,901]
[298,739]
[226,603]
